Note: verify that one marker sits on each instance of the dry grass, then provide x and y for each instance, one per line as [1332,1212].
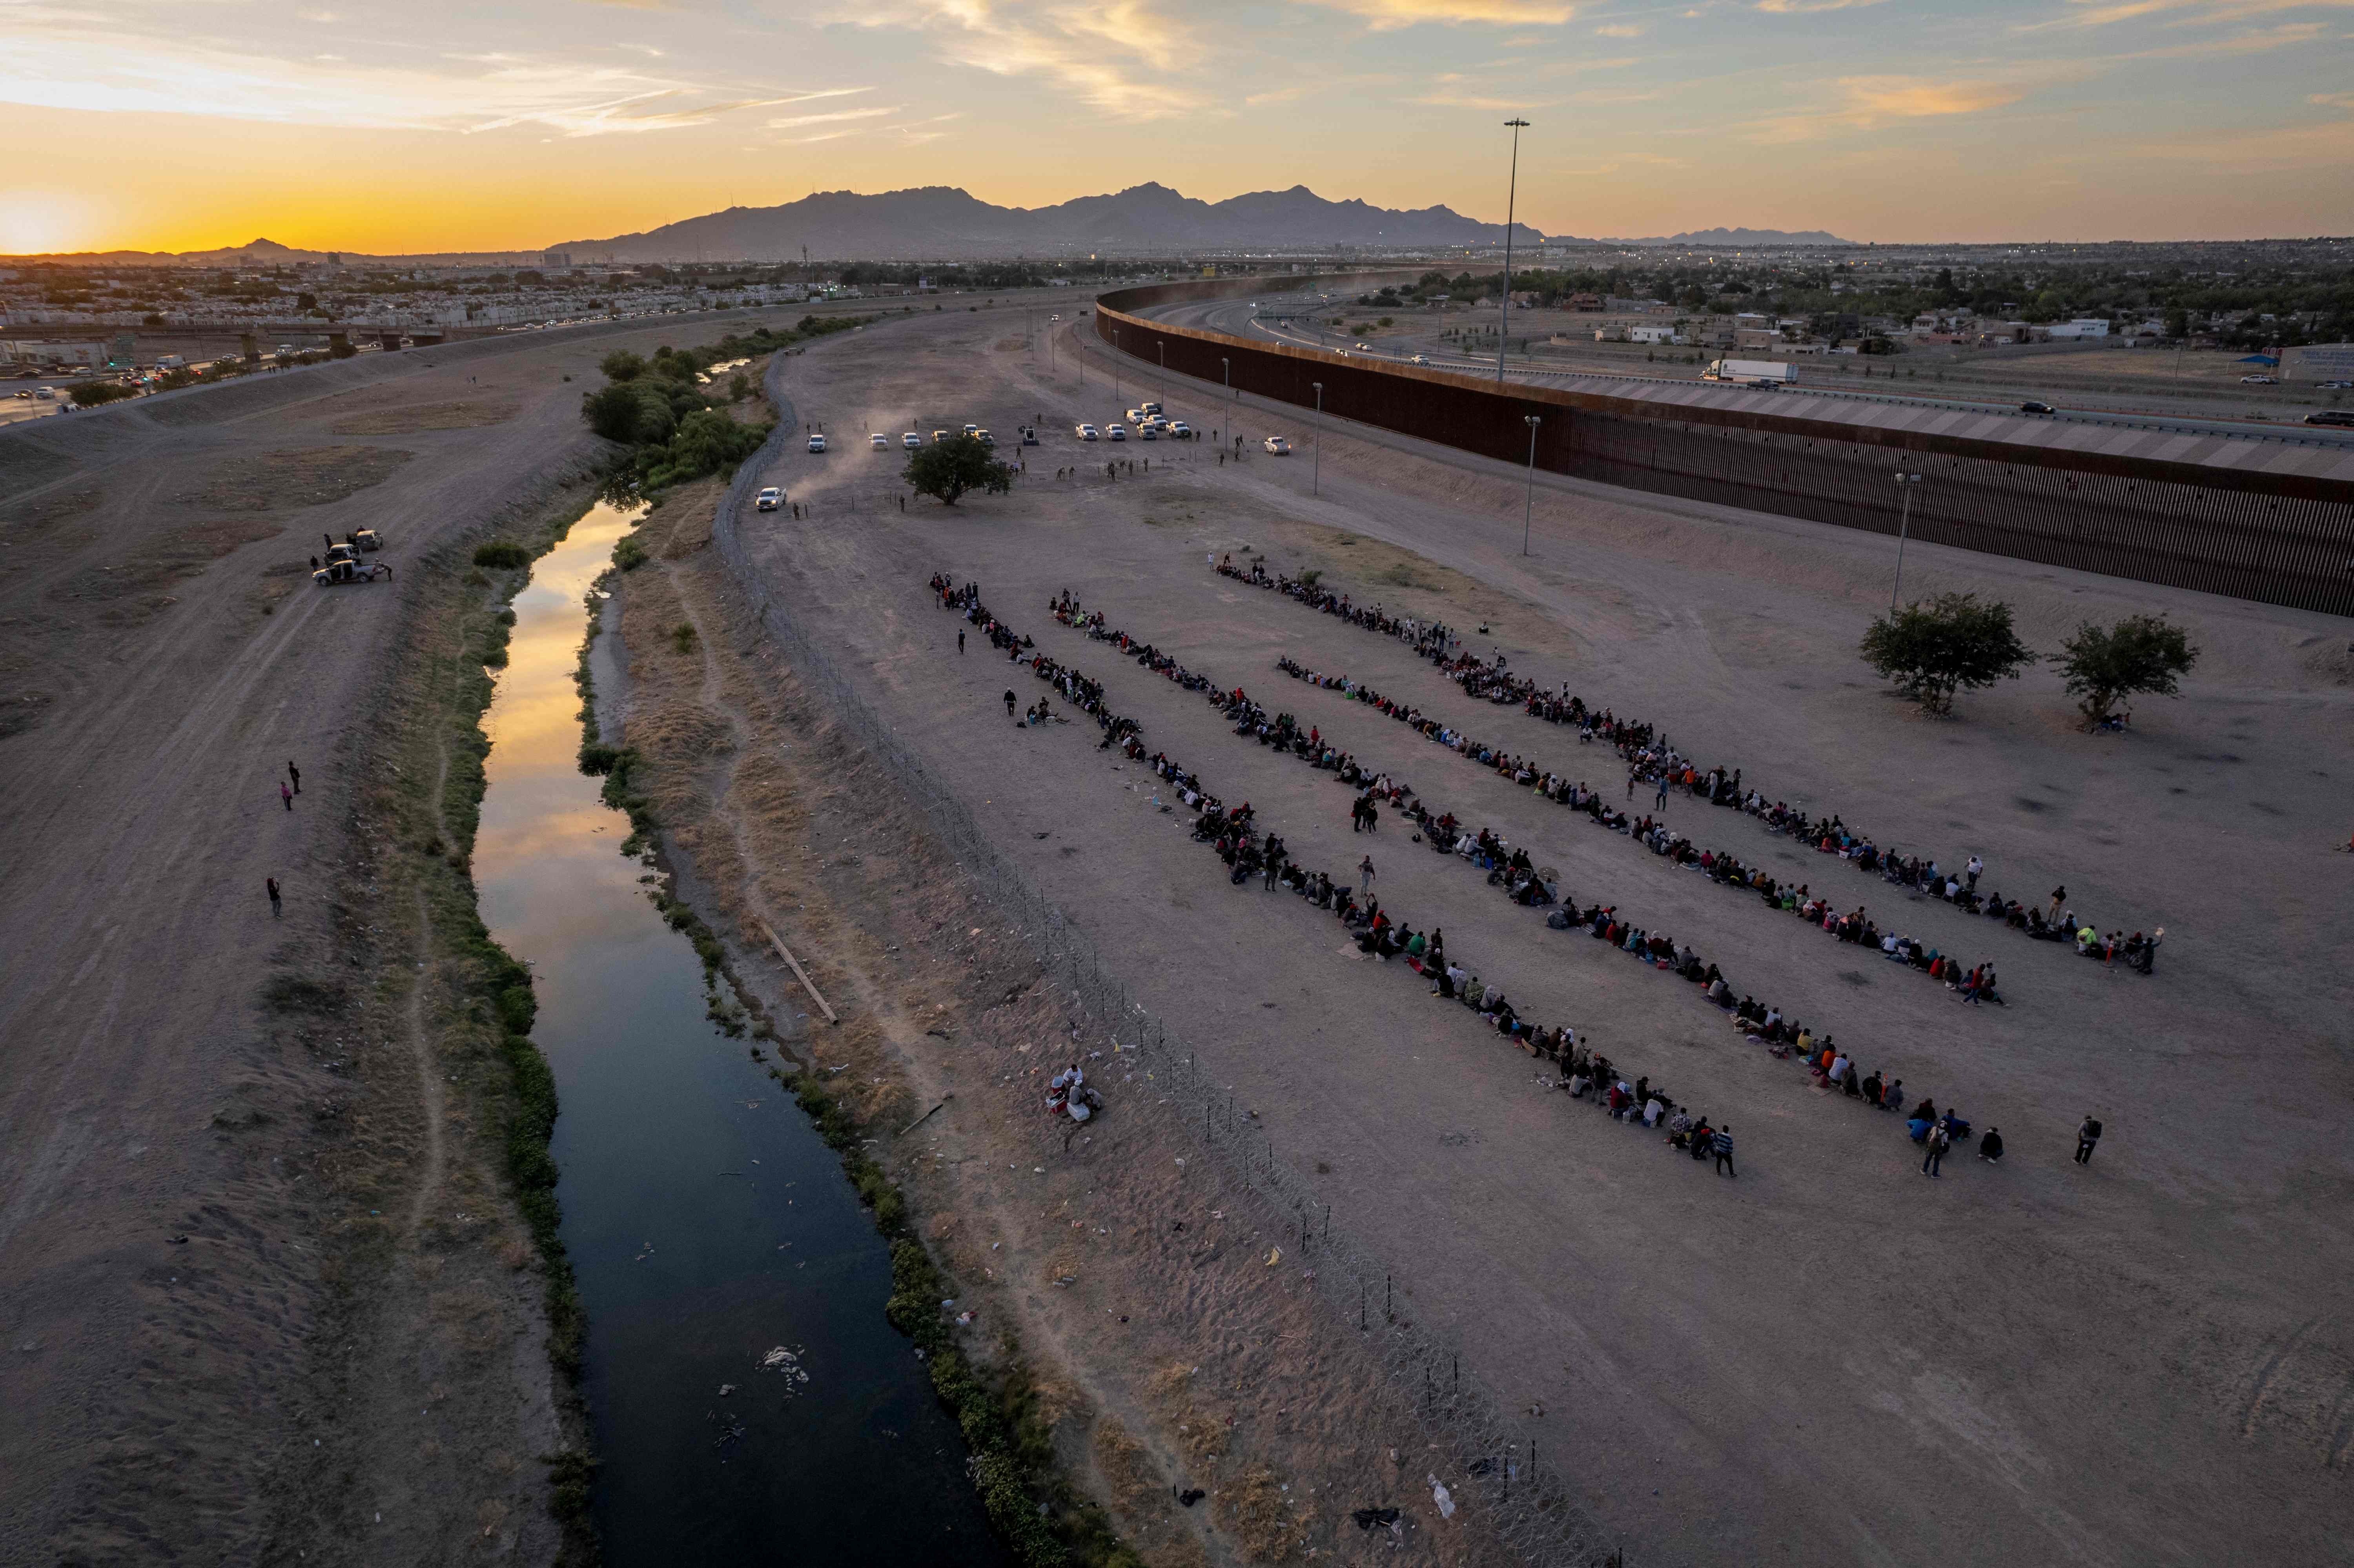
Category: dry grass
[302,476]
[417,416]
[1260,1516]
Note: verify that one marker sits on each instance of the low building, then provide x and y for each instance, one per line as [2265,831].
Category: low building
[1583,302]
[2082,326]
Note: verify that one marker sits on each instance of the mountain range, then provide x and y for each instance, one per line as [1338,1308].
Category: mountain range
[938,222]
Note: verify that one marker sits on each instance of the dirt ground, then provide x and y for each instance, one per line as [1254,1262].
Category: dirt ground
[1170,1353]
[1829,1358]
[267,1298]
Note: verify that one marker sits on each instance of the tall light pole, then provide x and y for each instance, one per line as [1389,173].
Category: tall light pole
[1511,190]
[1529,502]
[1904,481]
[1315,469]
[1115,365]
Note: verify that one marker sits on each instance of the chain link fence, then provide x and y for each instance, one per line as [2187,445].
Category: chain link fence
[1521,1497]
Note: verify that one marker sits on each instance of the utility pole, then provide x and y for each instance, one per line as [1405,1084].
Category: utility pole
[1511,190]
[1529,502]
[1905,481]
[1316,468]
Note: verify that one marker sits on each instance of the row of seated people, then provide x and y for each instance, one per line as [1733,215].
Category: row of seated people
[1234,836]
[1646,753]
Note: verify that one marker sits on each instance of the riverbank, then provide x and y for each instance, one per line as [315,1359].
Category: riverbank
[1122,1301]
[441,1416]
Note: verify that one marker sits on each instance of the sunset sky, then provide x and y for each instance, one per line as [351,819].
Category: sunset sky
[427,125]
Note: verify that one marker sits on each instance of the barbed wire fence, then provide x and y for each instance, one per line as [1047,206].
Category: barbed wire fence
[1523,1499]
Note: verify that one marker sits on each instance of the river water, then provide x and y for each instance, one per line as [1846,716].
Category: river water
[709,1226]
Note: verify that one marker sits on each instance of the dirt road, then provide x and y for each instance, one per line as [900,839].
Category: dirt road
[1831,1358]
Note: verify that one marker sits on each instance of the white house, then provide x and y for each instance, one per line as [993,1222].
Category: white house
[2082,326]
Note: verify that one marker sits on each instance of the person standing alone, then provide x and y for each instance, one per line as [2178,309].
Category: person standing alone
[272,882]
[285,794]
[959,642]
[295,774]
[1721,1144]
[2086,1137]
[1365,877]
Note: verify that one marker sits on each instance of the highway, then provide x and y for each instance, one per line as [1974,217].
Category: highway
[1241,318]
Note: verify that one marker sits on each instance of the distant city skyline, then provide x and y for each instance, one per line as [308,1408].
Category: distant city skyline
[336,126]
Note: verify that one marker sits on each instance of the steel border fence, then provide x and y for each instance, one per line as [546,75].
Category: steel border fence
[1521,1497]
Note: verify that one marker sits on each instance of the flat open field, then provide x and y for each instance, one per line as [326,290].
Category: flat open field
[1830,1358]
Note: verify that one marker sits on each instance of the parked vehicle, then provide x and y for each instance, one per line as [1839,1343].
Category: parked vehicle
[345,570]
[940,436]
[1086,433]
[1146,432]
[1150,407]
[1179,431]
[768,499]
[2331,417]
[1278,445]
[2259,381]
[367,539]
[817,443]
[879,441]
[911,440]
[984,437]
[1115,433]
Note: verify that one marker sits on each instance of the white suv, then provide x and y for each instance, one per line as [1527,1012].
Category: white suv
[879,441]
[1279,446]
[817,443]
[1084,432]
[1115,433]
[769,499]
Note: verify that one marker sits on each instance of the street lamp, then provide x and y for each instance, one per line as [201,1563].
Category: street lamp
[1316,468]
[1504,322]
[1115,365]
[1905,481]
[1529,502]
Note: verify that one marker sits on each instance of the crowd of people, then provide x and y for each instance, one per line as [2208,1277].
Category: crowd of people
[1651,762]
[1248,853]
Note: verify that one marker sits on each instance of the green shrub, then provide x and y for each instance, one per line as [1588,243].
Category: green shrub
[501,555]
[628,554]
[91,395]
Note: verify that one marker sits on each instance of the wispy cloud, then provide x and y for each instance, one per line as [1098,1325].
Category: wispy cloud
[2260,41]
[1619,31]
[85,69]
[789,121]
[2085,13]
[1385,15]
[1129,61]
[1807,8]
[1873,101]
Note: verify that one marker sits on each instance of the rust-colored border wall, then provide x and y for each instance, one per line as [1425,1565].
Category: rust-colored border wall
[2279,539]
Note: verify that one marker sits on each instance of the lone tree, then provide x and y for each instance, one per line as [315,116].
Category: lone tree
[1933,647]
[948,468]
[2139,653]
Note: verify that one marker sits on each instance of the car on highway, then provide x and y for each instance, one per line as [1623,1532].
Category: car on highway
[2331,417]
[2037,408]
[1086,433]
[911,440]
[2335,386]
[879,441]
[2259,381]
[768,499]
[45,394]
[1115,433]
[1281,445]
[1419,359]
[817,443]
